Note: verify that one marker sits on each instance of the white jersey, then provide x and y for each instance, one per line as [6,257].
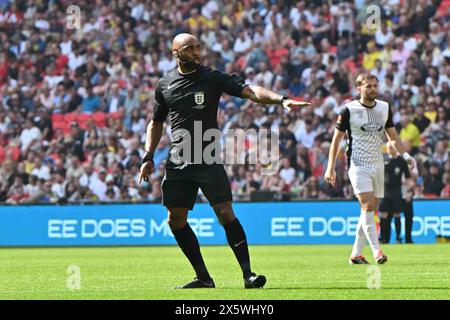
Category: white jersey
[365,127]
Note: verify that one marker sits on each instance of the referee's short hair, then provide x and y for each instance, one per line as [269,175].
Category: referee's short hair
[364,77]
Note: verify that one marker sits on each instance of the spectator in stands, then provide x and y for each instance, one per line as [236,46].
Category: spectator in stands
[445,193]
[98,186]
[265,76]
[72,191]
[91,103]
[40,170]
[307,136]
[441,152]
[76,142]
[345,49]
[131,100]
[44,124]
[114,99]
[30,136]
[420,121]
[75,101]
[433,181]
[287,173]
[408,131]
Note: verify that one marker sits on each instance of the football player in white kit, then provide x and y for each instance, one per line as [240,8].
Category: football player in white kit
[366,121]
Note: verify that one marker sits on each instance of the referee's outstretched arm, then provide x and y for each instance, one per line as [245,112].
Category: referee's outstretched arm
[266,96]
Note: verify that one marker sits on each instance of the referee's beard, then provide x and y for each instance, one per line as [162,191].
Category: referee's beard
[188,65]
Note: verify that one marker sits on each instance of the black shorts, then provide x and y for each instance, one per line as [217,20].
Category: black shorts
[180,187]
[392,202]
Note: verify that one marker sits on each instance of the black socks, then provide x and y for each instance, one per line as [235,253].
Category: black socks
[385,226]
[237,240]
[398,227]
[238,243]
[385,229]
[188,243]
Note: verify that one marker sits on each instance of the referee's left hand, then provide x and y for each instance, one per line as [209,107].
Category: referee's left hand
[146,170]
[289,104]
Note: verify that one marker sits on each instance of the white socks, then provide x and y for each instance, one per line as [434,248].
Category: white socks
[360,238]
[366,229]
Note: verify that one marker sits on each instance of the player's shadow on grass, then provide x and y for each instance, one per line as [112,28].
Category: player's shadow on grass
[324,288]
[424,264]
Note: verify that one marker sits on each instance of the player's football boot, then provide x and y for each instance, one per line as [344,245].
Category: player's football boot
[253,281]
[197,284]
[381,258]
[358,260]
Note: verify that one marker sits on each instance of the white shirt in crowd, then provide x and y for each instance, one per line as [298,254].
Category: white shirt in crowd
[295,16]
[251,82]
[288,175]
[208,9]
[443,78]
[58,189]
[380,74]
[53,80]
[42,173]
[344,21]
[32,190]
[265,77]
[4,125]
[383,38]
[88,27]
[139,127]
[307,139]
[28,135]
[86,179]
[411,44]
[217,47]
[278,18]
[66,47]
[306,75]
[209,38]
[242,45]
[138,11]
[259,37]
[98,188]
[42,24]
[75,61]
[166,65]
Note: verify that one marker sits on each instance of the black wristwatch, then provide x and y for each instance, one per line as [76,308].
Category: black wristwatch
[284,98]
[147,157]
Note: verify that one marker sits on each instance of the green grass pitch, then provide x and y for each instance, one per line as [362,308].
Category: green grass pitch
[293,272]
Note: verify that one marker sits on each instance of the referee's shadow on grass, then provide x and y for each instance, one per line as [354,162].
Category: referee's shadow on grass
[353,288]
[333,288]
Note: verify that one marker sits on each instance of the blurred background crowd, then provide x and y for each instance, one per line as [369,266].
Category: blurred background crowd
[75,103]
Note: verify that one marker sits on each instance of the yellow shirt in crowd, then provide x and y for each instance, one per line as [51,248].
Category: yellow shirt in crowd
[412,134]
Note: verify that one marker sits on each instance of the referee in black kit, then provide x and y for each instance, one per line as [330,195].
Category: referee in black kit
[393,204]
[191,93]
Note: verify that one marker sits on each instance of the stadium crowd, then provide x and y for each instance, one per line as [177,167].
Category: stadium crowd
[75,103]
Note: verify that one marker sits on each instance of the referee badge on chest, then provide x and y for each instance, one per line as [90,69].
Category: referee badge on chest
[199,98]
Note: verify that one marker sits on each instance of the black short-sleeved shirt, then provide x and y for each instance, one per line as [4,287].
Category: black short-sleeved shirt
[394,169]
[193,97]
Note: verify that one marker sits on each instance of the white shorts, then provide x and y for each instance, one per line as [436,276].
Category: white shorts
[367,180]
